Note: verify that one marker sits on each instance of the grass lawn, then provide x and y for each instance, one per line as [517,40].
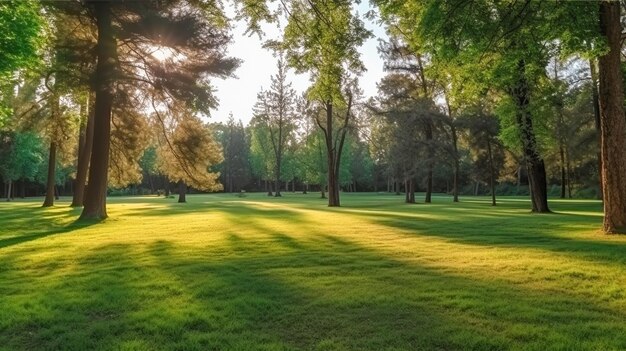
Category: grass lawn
[258,273]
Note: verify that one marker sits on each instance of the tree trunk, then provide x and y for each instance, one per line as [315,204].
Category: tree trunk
[104,79]
[410,188]
[596,112]
[333,186]
[84,154]
[563,178]
[430,162]
[492,176]
[9,186]
[534,161]
[455,183]
[182,192]
[568,174]
[51,181]
[612,121]
[269,188]
[167,187]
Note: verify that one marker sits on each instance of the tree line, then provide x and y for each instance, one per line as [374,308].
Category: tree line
[476,94]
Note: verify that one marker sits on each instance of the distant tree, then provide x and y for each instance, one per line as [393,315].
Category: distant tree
[261,153]
[482,137]
[187,152]
[21,155]
[235,169]
[277,106]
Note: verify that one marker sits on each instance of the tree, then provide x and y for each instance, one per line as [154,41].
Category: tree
[21,26]
[129,33]
[612,122]
[504,48]
[322,38]
[482,134]
[21,154]
[186,154]
[235,169]
[278,114]
[261,153]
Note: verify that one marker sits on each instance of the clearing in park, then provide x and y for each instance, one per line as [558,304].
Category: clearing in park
[258,273]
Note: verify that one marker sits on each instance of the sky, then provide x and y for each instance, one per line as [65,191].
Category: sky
[238,95]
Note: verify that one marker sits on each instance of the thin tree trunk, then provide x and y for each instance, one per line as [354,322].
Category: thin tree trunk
[10,183]
[612,121]
[167,187]
[534,161]
[563,178]
[568,173]
[182,192]
[333,186]
[492,180]
[84,156]
[430,162]
[51,181]
[411,190]
[106,49]
[596,112]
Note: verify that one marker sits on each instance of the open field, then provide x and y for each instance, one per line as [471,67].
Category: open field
[258,273]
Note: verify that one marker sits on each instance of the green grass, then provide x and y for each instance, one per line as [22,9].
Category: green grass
[258,273]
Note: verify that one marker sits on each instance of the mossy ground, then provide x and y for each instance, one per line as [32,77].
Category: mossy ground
[258,273]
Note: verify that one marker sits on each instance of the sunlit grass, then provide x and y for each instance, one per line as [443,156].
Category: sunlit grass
[259,273]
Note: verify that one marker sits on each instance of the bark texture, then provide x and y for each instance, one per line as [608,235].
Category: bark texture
[106,49]
[612,121]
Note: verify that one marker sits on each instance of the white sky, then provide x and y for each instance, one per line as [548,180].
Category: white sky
[237,96]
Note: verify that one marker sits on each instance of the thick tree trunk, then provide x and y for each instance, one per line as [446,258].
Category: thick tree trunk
[269,188]
[104,79]
[51,181]
[612,121]
[492,176]
[596,111]
[84,155]
[182,192]
[534,161]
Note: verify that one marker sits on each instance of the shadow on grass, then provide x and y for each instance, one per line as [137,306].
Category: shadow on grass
[321,292]
[28,223]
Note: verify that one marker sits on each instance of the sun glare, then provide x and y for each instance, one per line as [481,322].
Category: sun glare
[163,53]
